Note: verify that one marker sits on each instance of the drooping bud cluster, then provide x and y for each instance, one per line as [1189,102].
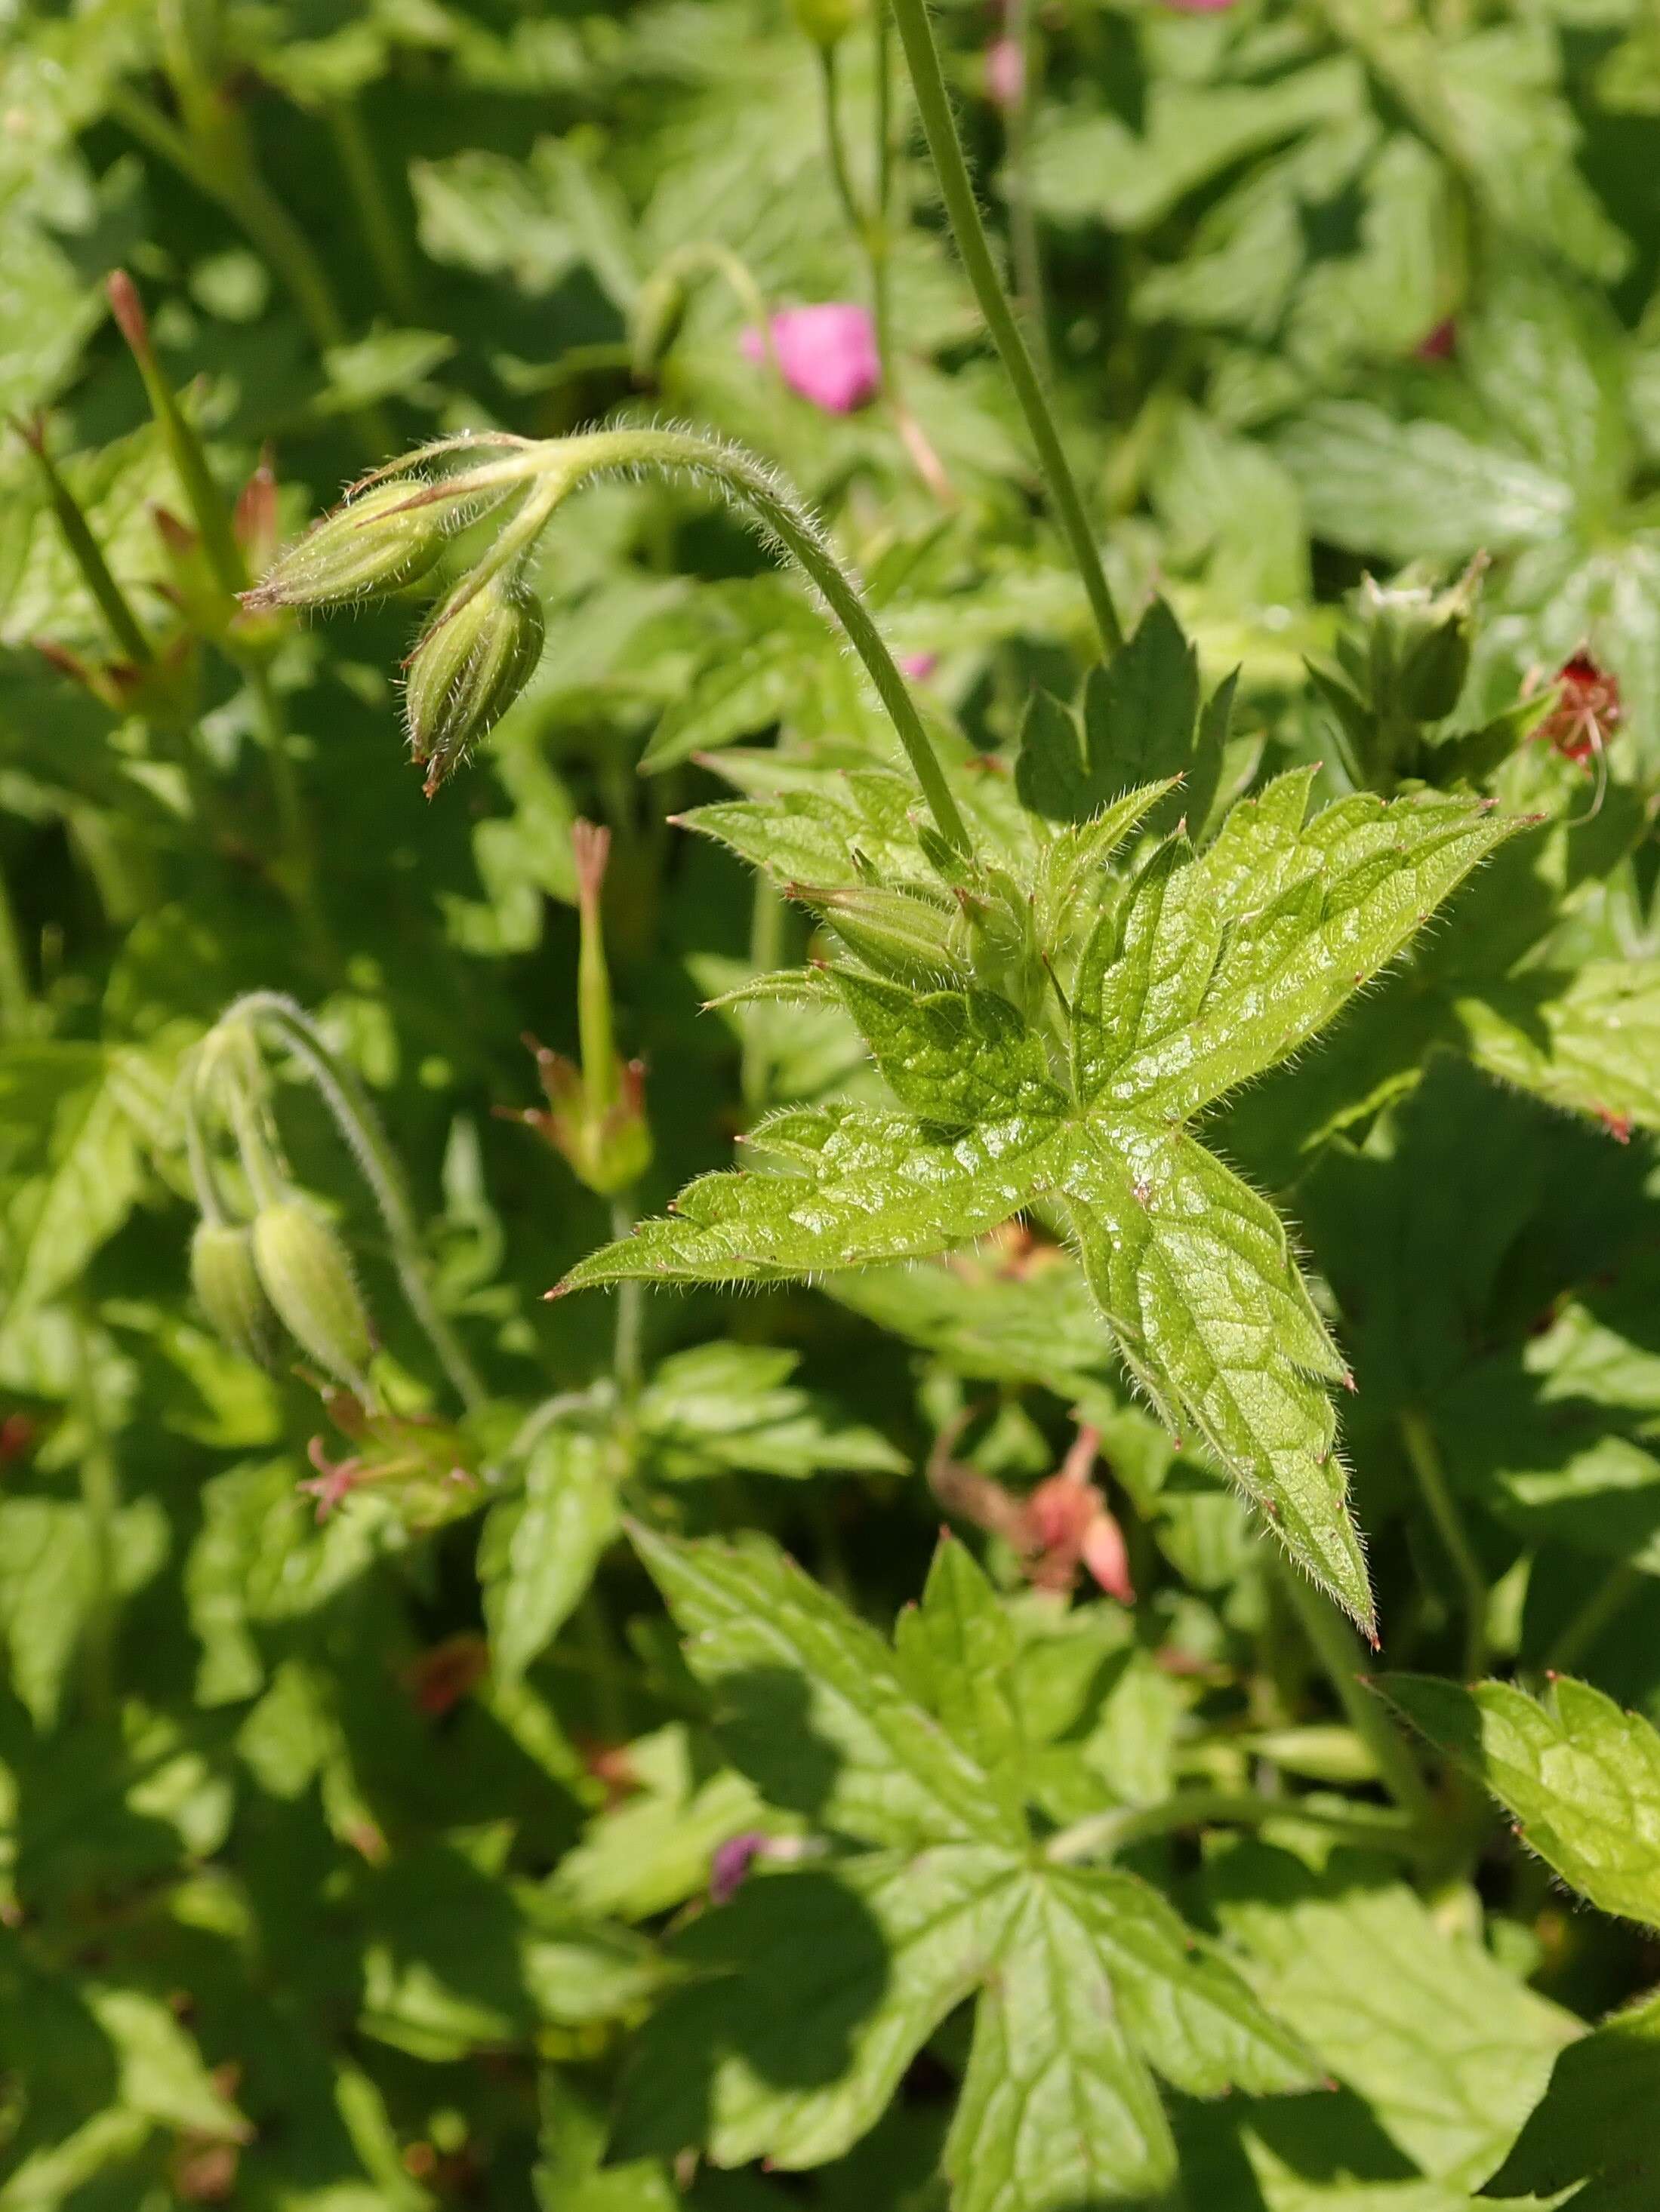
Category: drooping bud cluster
[264,1264]
[596,1112]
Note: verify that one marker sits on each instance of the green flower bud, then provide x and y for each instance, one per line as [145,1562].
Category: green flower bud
[228,1289]
[307,1277]
[903,934]
[468,669]
[375,543]
[827,22]
[1434,663]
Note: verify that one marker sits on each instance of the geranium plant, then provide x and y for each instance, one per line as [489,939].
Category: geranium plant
[993,683]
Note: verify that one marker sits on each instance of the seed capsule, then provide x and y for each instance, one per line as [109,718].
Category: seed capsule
[468,669]
[307,1277]
[899,933]
[228,1289]
[373,544]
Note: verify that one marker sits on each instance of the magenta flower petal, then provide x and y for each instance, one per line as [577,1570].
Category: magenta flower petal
[826,353]
[918,666]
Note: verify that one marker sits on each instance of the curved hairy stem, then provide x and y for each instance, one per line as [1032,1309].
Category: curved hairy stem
[752,485]
[360,1126]
[940,125]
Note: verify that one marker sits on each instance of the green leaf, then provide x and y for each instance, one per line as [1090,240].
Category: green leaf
[537,1554]
[1447,2050]
[724,1407]
[1216,968]
[1595,2132]
[1139,708]
[1194,1274]
[1581,1777]
[1211,969]
[1049,770]
[811,1702]
[813,1989]
[1587,1039]
[956,1650]
[864,1186]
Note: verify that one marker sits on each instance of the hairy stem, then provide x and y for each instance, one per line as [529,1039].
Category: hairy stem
[941,127]
[753,485]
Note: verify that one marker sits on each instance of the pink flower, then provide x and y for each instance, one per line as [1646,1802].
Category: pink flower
[827,353]
[1006,73]
[732,1862]
[1199,7]
[1438,344]
[918,666]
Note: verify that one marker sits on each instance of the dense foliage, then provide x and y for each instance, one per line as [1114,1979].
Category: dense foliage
[1048,619]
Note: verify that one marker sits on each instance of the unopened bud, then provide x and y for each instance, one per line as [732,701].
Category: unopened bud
[901,934]
[468,669]
[827,22]
[227,1288]
[376,543]
[1433,666]
[307,1277]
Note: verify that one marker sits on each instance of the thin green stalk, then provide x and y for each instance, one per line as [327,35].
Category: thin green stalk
[1102,1834]
[382,232]
[940,126]
[859,223]
[628,1364]
[751,483]
[17,1008]
[1583,1627]
[1425,1458]
[1338,1650]
[100,1500]
[1024,239]
[881,258]
[360,1126]
[89,557]
[766,953]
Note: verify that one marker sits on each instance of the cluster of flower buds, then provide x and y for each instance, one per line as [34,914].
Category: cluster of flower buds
[481,645]
[150,669]
[596,1112]
[284,1272]
[271,1268]
[1402,666]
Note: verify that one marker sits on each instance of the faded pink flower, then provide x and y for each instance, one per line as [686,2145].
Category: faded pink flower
[1006,73]
[732,1861]
[1199,7]
[1440,343]
[826,353]
[1065,1523]
[918,666]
